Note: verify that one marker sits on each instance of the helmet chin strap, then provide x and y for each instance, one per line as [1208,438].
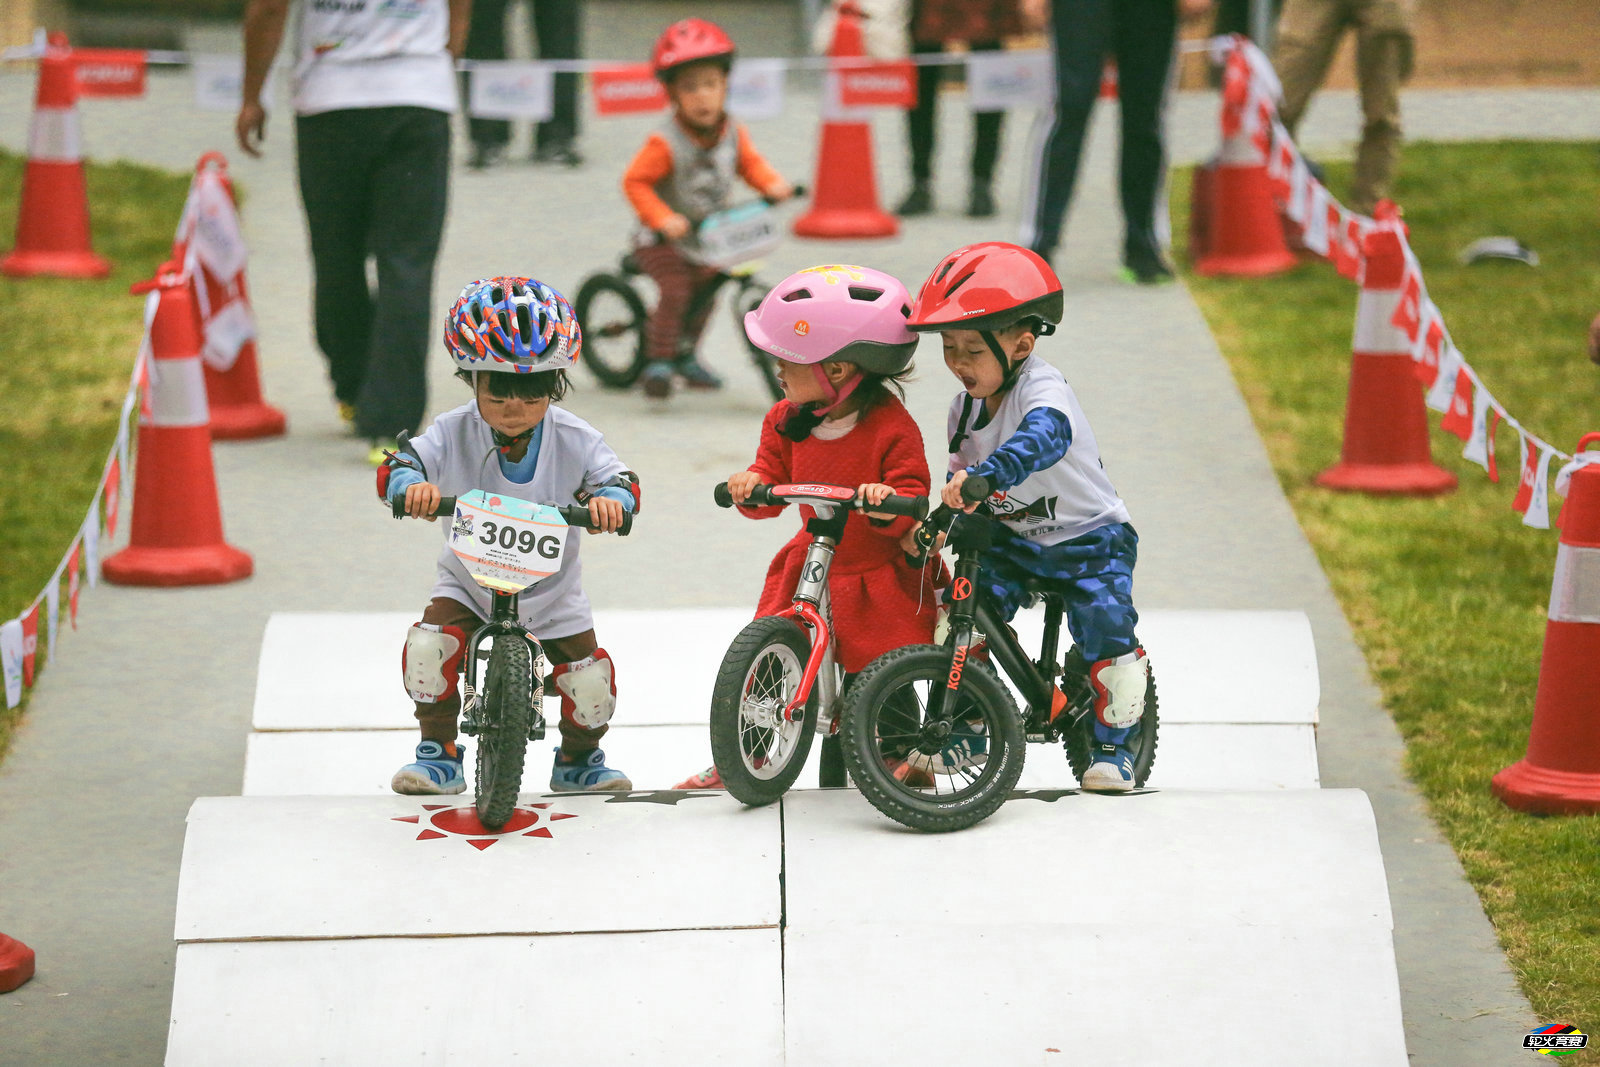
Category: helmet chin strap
[836,396]
[506,442]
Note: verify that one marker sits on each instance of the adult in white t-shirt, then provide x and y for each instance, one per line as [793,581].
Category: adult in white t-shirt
[373,93]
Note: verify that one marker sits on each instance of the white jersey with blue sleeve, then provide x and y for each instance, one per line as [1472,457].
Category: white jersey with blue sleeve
[1065,500]
[458,455]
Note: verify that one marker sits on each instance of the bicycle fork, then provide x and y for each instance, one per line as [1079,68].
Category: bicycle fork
[813,610]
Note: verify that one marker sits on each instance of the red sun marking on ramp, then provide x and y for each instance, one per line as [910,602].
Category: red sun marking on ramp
[446,820]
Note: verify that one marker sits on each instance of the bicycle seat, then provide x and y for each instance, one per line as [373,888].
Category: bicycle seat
[1040,587]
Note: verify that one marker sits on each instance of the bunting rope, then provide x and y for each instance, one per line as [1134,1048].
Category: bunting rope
[1250,96]
[19,636]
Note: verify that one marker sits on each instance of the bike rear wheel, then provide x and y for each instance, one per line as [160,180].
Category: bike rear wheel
[613,319]
[758,752]
[1079,735]
[507,698]
[748,298]
[909,768]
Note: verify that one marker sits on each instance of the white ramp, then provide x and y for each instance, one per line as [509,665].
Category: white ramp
[1164,928]
[1238,694]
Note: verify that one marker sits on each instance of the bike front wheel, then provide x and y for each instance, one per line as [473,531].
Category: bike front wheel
[933,774]
[758,751]
[613,319]
[503,740]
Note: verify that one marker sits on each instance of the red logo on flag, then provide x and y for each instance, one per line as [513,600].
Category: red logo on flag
[72,584]
[1408,316]
[1530,472]
[622,90]
[30,643]
[892,84]
[113,495]
[1427,365]
[109,71]
[1458,420]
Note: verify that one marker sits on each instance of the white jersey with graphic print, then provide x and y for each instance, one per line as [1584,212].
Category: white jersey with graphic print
[1063,501]
[459,455]
[373,53]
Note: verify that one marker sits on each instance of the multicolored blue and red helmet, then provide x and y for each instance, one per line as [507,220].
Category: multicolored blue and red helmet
[512,324]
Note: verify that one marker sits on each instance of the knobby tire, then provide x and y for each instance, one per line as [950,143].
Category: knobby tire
[621,370]
[503,743]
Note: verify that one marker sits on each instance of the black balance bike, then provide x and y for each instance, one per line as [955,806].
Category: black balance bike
[506,545]
[612,312]
[954,759]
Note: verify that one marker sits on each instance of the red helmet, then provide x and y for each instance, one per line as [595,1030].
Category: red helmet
[988,286]
[689,41]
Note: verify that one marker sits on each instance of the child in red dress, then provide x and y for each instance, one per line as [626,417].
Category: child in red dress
[839,335]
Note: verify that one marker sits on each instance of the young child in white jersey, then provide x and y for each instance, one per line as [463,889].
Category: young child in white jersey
[1019,425]
[511,339]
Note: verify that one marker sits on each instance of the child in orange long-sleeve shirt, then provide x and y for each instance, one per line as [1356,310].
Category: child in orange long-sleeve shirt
[685,172]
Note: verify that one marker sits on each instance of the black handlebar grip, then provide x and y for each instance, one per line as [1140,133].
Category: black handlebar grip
[760,497]
[721,495]
[975,488]
[578,515]
[914,506]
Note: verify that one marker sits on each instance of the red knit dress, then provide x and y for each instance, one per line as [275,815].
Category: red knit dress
[877,603]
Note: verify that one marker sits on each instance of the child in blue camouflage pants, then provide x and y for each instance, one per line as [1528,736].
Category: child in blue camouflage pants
[1018,424]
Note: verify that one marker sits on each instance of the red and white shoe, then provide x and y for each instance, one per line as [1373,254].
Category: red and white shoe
[706,779]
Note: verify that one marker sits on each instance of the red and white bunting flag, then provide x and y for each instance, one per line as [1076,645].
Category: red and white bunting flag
[52,616]
[1458,420]
[1346,260]
[91,544]
[11,660]
[112,491]
[1408,314]
[109,71]
[892,83]
[1430,342]
[1235,92]
[1301,200]
[621,90]
[1280,167]
[72,585]
[1480,443]
[1444,386]
[1495,416]
[1315,237]
[30,644]
[1533,495]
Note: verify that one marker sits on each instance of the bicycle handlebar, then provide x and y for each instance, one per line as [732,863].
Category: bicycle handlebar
[574,514]
[915,507]
[974,490]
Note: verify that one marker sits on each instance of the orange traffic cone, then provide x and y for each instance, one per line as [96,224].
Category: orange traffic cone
[16,963]
[1243,233]
[176,536]
[1560,775]
[1385,446]
[53,219]
[233,389]
[844,201]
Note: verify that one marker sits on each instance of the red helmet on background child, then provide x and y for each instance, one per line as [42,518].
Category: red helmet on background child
[690,41]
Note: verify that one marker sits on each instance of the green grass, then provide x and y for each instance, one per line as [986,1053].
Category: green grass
[1447,596]
[68,349]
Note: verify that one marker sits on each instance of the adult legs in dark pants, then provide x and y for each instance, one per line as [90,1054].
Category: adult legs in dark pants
[1142,35]
[921,124]
[486,39]
[374,181]
[558,26]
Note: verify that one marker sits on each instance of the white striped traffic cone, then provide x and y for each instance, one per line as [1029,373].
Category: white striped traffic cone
[53,220]
[176,535]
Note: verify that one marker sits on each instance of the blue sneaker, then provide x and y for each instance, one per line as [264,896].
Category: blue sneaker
[435,771]
[586,773]
[1112,768]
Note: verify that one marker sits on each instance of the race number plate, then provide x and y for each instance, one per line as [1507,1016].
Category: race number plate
[507,544]
[738,235]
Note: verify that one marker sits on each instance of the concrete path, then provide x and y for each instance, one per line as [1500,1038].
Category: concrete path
[148,704]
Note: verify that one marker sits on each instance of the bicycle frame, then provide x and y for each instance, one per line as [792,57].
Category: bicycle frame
[975,618]
[813,610]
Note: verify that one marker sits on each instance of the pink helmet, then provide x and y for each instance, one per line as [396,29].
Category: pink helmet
[854,314]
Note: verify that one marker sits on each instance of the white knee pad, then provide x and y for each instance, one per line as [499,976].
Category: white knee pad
[431,662]
[1119,688]
[588,690]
